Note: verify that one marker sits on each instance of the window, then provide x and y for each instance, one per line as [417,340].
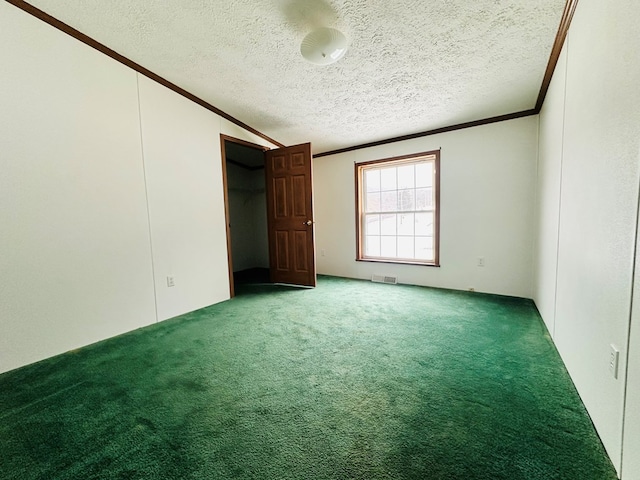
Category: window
[398,209]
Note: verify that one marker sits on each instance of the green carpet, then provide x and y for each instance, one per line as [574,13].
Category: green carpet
[351,380]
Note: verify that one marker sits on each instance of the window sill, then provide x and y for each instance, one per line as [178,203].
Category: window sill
[400,262]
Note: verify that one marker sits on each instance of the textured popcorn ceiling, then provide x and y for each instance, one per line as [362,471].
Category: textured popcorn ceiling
[412,65]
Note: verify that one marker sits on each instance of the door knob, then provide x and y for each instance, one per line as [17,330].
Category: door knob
[308,223]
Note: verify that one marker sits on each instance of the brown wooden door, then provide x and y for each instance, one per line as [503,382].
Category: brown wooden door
[290,215]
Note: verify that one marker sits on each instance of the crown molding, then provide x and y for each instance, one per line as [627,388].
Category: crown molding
[561,35]
[450,128]
[563,29]
[63,27]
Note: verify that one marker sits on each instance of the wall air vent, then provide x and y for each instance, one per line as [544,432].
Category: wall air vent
[392,279]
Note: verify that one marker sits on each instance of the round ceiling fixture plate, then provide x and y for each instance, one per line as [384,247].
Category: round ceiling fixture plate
[324,46]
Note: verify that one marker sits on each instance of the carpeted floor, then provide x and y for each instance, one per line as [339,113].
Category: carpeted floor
[351,380]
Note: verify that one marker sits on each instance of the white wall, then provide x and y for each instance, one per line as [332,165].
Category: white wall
[487,197]
[631,439]
[77,168]
[548,195]
[182,159]
[235,131]
[248,218]
[74,235]
[597,152]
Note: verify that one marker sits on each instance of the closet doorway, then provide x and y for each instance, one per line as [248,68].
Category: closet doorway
[246,211]
[268,196]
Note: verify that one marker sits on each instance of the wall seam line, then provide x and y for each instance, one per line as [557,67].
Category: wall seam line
[625,383]
[533,278]
[562,143]
[146,194]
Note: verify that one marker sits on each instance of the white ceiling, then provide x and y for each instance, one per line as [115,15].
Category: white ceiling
[411,66]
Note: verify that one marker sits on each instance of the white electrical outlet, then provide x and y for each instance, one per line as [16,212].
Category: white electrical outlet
[481,261]
[614,359]
[322,252]
[171,281]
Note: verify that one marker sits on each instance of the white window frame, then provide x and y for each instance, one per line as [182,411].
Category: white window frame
[432,158]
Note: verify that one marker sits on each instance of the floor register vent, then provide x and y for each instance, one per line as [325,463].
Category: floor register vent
[392,279]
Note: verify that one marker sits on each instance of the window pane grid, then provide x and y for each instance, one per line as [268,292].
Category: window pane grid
[398,211]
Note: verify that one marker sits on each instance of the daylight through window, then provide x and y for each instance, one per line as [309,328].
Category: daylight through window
[398,213]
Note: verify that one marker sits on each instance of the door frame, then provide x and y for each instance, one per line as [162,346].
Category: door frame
[225,188]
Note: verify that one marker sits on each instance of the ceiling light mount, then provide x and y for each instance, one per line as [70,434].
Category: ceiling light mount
[324,46]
